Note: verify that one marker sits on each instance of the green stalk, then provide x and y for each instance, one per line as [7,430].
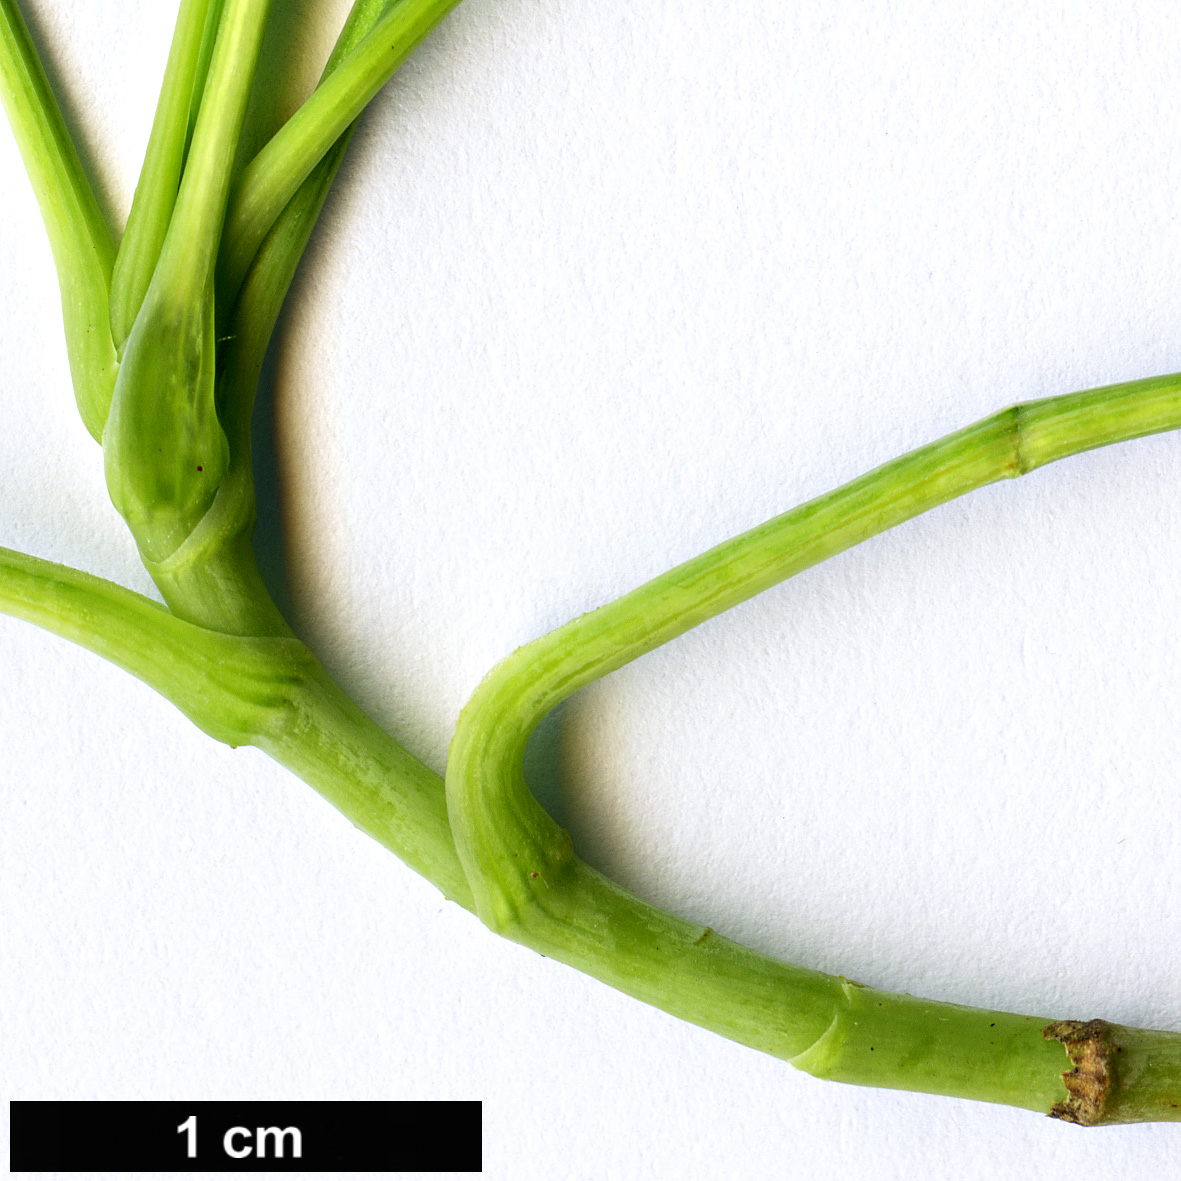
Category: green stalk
[529,885]
[164,450]
[82,244]
[272,693]
[212,578]
[194,232]
[184,485]
[520,870]
[269,180]
[224,684]
[155,194]
[269,691]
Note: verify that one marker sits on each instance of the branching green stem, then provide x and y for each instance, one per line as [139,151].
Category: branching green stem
[265,691]
[272,693]
[176,446]
[213,579]
[530,886]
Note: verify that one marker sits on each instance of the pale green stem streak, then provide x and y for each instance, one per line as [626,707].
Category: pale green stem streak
[269,180]
[195,229]
[82,244]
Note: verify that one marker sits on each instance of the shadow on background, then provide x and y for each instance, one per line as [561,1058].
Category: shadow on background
[268,491]
[543,766]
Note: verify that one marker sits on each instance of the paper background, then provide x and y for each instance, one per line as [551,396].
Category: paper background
[601,286]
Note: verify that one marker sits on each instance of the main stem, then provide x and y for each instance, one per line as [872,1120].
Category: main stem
[495,851]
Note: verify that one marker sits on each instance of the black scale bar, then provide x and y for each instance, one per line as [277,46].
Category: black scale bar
[245,1137]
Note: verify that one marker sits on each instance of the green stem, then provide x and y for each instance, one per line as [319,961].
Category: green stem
[155,194]
[529,885]
[82,244]
[269,180]
[176,444]
[213,579]
[194,232]
[491,848]
[222,683]
[274,262]
[165,453]
[267,691]
[325,739]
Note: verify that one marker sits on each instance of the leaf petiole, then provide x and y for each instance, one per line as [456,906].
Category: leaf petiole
[82,243]
[269,180]
[155,195]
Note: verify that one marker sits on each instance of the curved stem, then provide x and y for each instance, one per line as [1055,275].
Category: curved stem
[489,846]
[219,682]
[529,885]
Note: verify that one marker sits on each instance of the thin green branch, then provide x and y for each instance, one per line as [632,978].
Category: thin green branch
[529,885]
[195,229]
[269,180]
[155,194]
[274,262]
[220,682]
[82,243]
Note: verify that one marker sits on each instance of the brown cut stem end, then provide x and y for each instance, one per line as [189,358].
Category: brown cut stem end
[1088,1046]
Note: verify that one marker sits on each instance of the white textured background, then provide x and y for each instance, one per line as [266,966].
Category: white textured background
[601,285]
